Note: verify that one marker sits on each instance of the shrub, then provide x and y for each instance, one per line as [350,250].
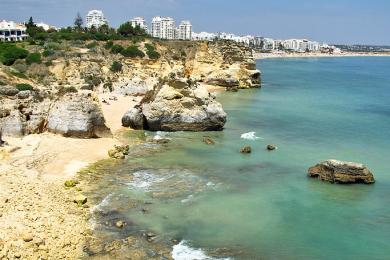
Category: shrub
[108,85]
[2,83]
[116,66]
[34,58]
[151,52]
[108,45]
[116,49]
[24,86]
[63,90]
[10,53]
[47,53]
[19,74]
[132,51]
[48,63]
[92,45]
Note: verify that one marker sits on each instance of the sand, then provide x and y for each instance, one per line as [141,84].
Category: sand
[38,217]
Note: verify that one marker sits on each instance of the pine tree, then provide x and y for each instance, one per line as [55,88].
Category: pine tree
[78,21]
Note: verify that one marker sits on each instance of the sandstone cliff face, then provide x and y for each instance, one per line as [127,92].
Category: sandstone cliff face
[177,105]
[75,115]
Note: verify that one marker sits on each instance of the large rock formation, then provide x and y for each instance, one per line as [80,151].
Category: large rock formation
[225,63]
[177,105]
[335,171]
[74,114]
[77,115]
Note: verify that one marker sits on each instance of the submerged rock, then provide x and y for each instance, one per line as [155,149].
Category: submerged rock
[177,105]
[208,140]
[120,224]
[335,171]
[77,115]
[271,147]
[246,149]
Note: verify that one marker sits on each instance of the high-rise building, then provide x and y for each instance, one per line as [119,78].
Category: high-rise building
[139,21]
[96,19]
[163,28]
[185,30]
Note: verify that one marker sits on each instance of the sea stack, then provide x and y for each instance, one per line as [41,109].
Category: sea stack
[341,172]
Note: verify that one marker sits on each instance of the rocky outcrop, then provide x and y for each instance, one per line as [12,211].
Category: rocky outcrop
[77,115]
[224,63]
[177,105]
[119,151]
[8,91]
[335,171]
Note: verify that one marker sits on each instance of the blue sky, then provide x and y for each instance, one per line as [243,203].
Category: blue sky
[332,21]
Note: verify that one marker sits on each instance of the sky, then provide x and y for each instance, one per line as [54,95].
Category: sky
[331,21]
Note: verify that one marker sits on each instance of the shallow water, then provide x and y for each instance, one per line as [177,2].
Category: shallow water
[262,205]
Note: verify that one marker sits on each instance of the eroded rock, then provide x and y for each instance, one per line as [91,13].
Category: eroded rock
[335,171]
[77,115]
[177,105]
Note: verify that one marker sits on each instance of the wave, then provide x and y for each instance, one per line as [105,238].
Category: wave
[144,180]
[103,203]
[182,251]
[250,136]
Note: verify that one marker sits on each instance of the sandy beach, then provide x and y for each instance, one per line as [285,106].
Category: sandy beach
[38,216]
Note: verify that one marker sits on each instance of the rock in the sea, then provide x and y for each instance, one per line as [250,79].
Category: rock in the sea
[177,105]
[208,140]
[77,115]
[119,151]
[335,171]
[120,224]
[246,149]
[271,147]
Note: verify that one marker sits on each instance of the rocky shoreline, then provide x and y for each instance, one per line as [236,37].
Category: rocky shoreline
[70,118]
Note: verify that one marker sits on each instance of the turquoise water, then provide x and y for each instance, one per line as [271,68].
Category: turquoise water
[262,205]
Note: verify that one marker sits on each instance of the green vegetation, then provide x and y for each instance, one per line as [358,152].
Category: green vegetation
[108,85]
[18,74]
[48,63]
[108,45]
[63,90]
[133,52]
[116,49]
[9,53]
[48,52]
[34,58]
[151,52]
[92,45]
[24,86]
[2,83]
[127,29]
[116,67]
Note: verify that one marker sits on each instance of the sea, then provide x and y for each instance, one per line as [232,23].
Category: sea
[217,203]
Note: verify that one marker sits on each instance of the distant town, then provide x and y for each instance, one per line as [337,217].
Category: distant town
[165,28]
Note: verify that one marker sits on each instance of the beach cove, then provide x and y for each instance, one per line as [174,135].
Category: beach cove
[211,201]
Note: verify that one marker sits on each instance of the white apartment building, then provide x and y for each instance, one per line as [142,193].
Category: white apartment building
[45,26]
[139,21]
[203,36]
[96,19]
[163,28]
[11,31]
[185,30]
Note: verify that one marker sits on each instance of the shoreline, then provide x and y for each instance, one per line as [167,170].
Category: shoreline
[261,56]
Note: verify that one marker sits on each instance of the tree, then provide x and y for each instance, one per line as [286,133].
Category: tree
[30,23]
[78,21]
[127,29]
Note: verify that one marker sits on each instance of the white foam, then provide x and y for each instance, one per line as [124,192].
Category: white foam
[144,180]
[103,203]
[189,198]
[182,251]
[250,136]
